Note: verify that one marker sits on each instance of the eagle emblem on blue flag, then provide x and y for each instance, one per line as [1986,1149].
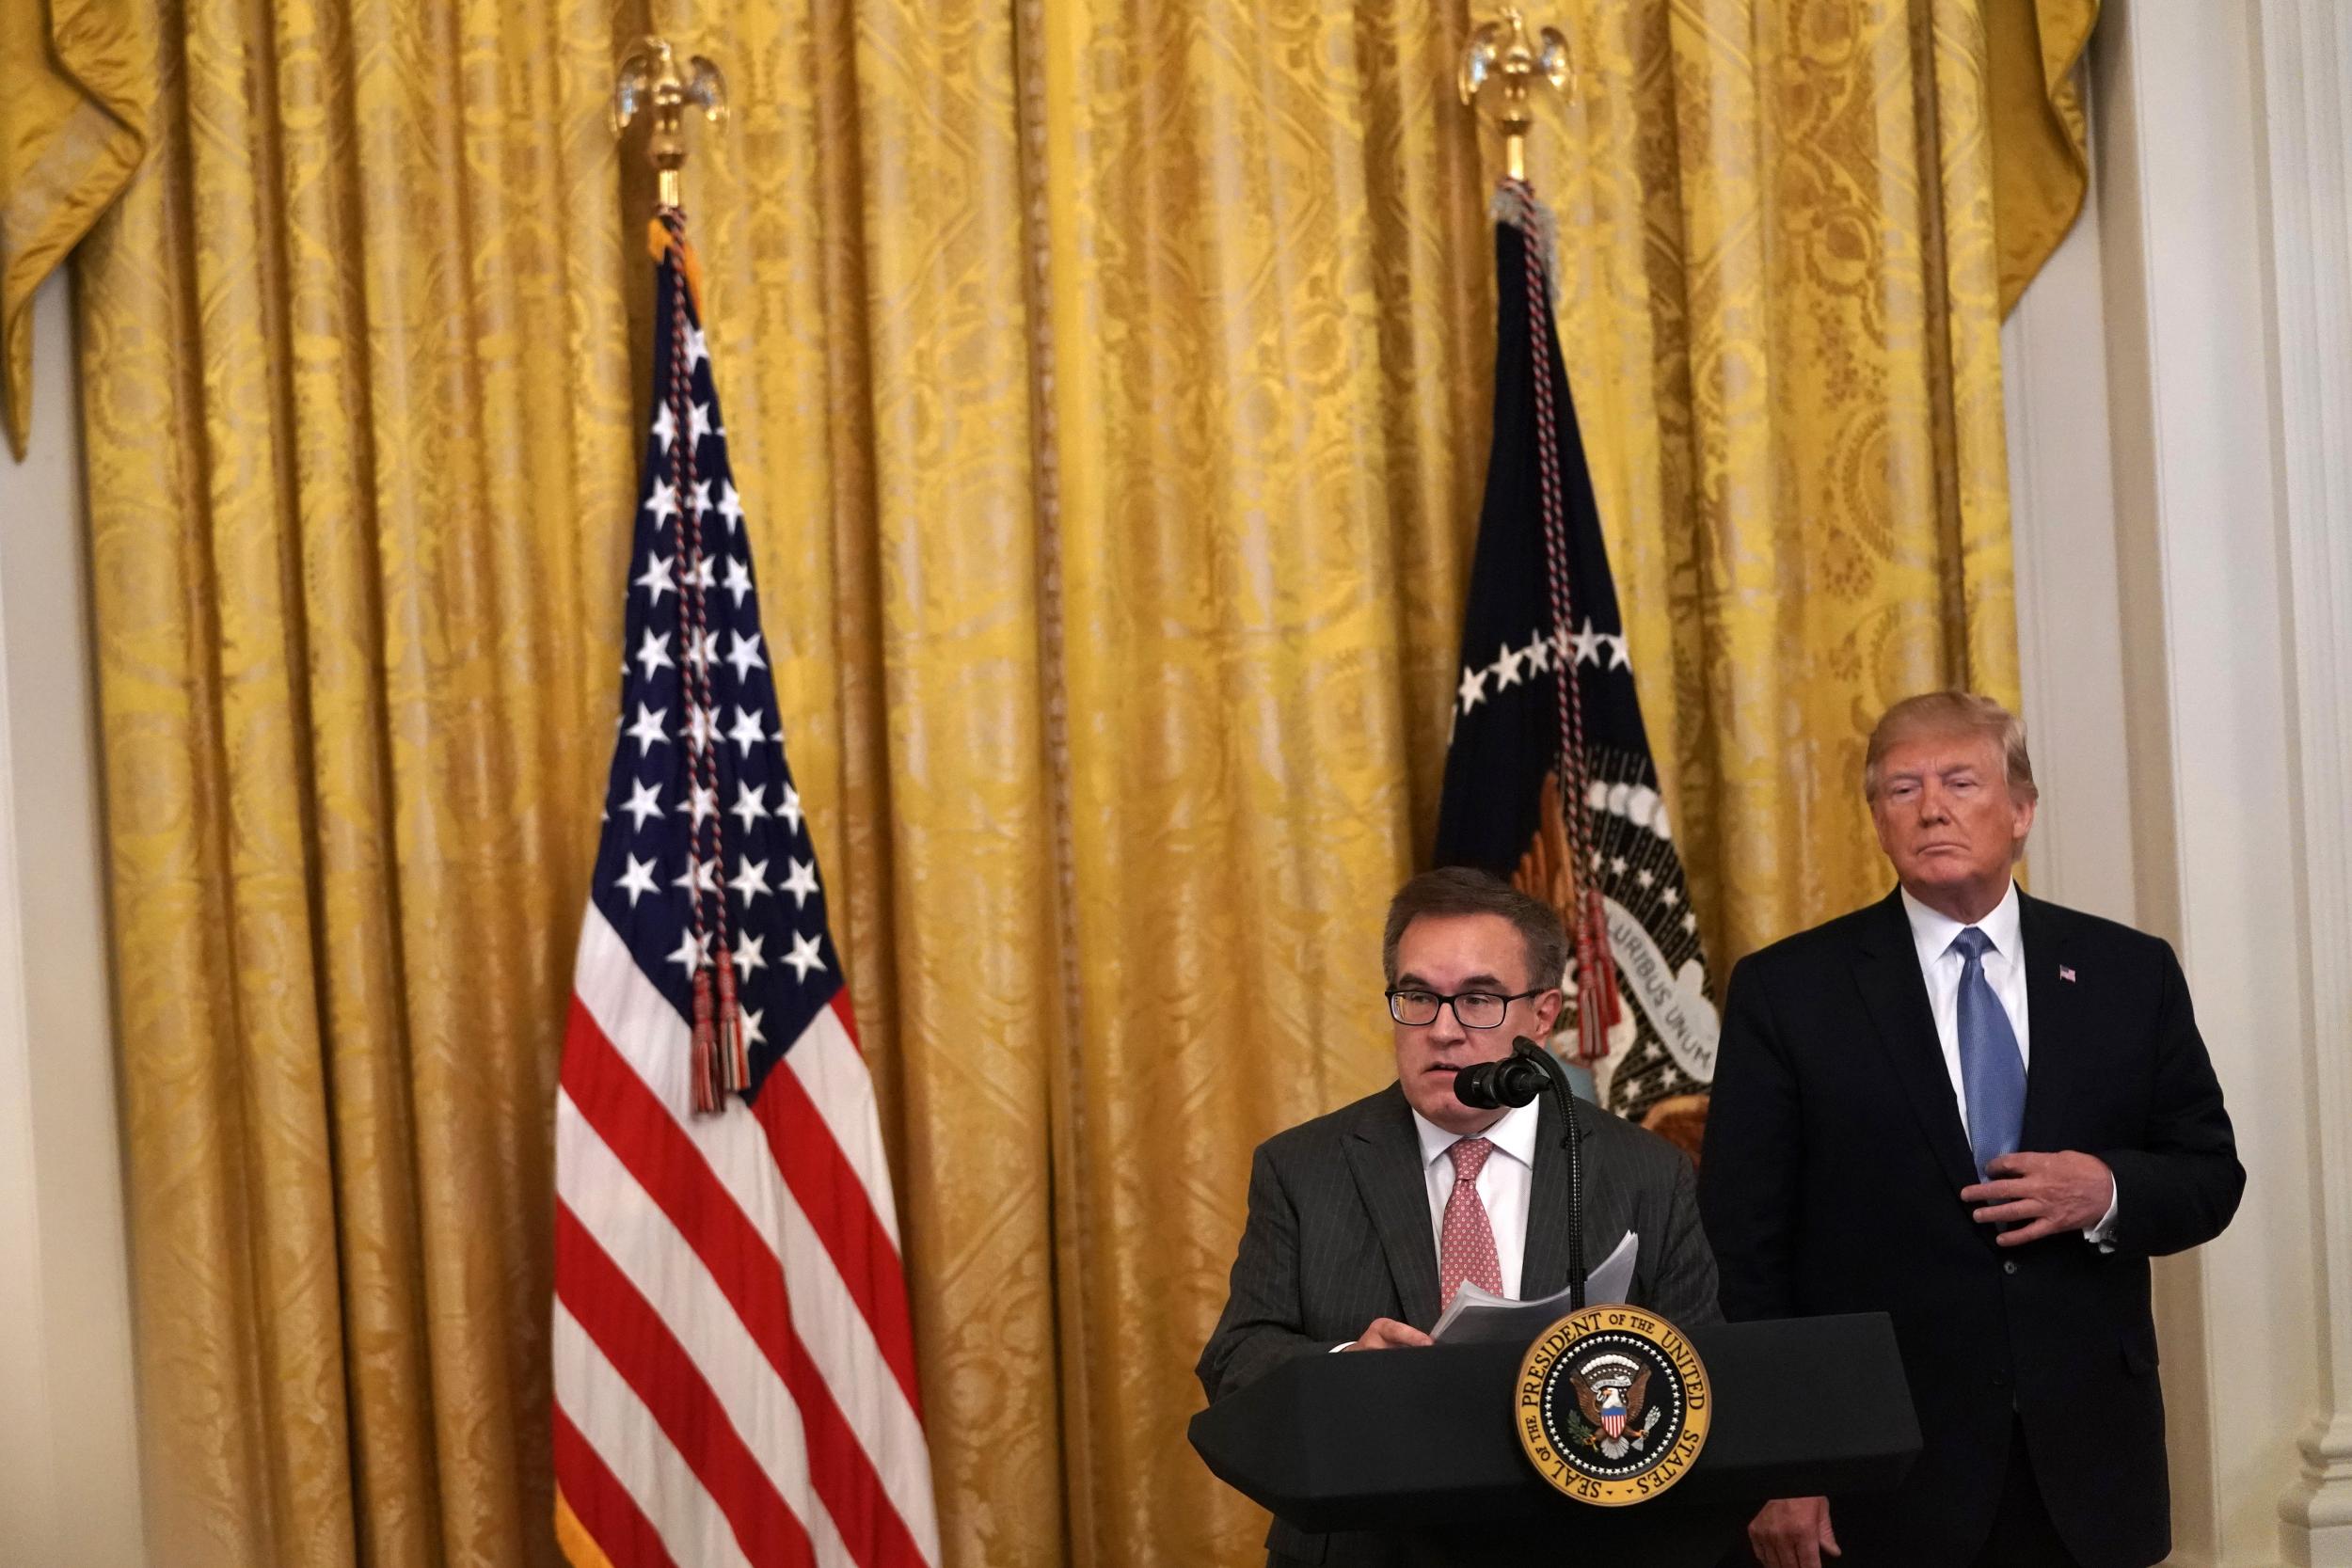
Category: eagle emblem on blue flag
[1549,778]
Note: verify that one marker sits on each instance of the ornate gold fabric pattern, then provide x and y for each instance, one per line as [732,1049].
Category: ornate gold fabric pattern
[73,128]
[2041,135]
[361,348]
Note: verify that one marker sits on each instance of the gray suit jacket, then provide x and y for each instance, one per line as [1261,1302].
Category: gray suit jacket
[1338,1234]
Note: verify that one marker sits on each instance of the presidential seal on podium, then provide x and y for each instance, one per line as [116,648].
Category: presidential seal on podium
[1612,1405]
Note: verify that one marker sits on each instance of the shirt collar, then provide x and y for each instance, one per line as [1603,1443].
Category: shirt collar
[1514,1134]
[1932,930]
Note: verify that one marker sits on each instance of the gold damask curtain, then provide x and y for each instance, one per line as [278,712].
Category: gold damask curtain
[1107,387]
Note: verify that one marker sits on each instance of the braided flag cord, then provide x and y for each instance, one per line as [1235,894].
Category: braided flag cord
[734,1367]
[1550,779]
[1596,996]
[721,1065]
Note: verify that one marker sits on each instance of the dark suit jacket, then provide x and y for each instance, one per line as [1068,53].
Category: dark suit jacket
[1830,1182]
[1338,1234]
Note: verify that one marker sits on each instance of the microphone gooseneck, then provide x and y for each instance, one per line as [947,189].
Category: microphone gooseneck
[1525,1050]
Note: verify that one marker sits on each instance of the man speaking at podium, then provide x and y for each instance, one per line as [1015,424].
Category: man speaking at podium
[1980,1114]
[1363,1223]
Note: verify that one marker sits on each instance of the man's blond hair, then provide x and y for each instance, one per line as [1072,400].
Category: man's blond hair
[1952,713]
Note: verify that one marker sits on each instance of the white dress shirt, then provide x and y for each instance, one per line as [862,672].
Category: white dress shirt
[1941,965]
[1505,1183]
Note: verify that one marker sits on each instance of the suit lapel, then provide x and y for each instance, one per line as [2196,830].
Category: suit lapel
[1886,967]
[1384,1154]
[2061,1072]
[1543,1264]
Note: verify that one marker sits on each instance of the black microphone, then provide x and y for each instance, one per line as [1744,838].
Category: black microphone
[1514,1081]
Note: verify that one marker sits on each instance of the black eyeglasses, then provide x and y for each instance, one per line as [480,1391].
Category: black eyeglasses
[1472,1010]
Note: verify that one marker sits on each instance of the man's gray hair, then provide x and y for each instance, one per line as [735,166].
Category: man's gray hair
[1454,890]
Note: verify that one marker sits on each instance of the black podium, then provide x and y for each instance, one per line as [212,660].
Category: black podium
[1421,1442]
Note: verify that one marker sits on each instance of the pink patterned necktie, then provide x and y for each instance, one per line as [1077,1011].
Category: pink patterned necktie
[1466,1242]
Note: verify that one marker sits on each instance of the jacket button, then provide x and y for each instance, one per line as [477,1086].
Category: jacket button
[2009,1266]
[2000,1380]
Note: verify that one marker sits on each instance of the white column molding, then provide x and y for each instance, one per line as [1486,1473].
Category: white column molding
[2307,92]
[2070,642]
[69,1458]
[2216,714]
[28,1481]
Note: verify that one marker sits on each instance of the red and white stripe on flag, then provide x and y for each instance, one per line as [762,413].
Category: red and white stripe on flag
[734,1378]
[734,1368]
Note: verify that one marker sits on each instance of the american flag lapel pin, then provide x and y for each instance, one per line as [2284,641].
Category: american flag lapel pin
[2065,973]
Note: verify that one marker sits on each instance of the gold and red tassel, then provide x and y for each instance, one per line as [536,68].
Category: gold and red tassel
[733,1061]
[704,1065]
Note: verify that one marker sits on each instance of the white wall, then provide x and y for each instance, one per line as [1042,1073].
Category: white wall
[2181,425]
[69,1464]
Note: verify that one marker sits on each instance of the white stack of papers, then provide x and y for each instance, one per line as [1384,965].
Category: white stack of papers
[1480,1317]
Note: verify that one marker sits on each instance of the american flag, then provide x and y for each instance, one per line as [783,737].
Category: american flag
[734,1369]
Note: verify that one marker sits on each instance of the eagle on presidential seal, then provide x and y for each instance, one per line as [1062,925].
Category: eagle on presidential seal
[1613,1391]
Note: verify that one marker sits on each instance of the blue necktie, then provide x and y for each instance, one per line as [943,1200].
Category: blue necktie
[1991,1070]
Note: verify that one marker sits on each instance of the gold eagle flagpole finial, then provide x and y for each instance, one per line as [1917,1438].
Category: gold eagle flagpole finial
[649,77]
[1502,52]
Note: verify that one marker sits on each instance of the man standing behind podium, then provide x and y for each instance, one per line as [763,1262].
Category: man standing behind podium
[1980,1114]
[1363,1223]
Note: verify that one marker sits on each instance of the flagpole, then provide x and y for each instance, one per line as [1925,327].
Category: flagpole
[1503,53]
[649,77]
